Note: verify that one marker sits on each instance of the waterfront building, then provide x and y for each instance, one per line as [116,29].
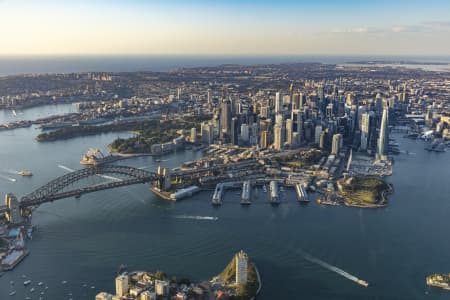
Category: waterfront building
[336,144]
[122,285]
[241,267]
[383,139]
[161,287]
[13,213]
[103,296]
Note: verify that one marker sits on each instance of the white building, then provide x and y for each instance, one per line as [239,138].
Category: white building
[241,267]
[161,287]
[121,285]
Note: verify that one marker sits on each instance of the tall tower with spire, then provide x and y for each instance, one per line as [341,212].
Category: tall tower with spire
[383,139]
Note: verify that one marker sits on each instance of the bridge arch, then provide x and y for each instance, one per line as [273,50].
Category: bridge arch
[54,189]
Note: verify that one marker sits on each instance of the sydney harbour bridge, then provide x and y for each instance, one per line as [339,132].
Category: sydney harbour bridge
[60,187]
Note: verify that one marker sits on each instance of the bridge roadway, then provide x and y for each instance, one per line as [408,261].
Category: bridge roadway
[54,189]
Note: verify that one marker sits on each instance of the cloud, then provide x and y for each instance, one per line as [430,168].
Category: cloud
[426,27]
[362,29]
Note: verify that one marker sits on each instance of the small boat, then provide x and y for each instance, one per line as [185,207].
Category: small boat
[26,282]
[25,173]
[264,188]
[12,293]
[92,287]
[63,282]
[40,283]
[46,287]
[31,290]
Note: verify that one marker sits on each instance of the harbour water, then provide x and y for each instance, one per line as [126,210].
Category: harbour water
[83,241]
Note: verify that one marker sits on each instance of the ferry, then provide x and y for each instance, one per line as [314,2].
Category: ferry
[439,280]
[25,173]
[327,202]
[363,283]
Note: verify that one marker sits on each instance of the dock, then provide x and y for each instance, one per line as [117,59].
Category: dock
[301,193]
[246,193]
[218,194]
[274,193]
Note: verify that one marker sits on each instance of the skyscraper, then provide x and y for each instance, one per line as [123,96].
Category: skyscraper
[278,102]
[365,130]
[225,116]
[278,139]
[383,139]
[336,144]
[289,132]
[264,139]
[207,132]
[234,131]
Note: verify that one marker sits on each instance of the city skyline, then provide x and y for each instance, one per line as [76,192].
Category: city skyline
[224,27]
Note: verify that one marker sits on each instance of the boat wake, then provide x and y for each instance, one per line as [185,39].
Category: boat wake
[110,177]
[66,168]
[8,178]
[335,269]
[11,171]
[205,218]
[102,176]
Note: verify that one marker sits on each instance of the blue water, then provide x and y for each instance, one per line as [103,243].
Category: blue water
[12,65]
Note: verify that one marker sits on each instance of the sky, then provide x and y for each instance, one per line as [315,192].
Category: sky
[225,27]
